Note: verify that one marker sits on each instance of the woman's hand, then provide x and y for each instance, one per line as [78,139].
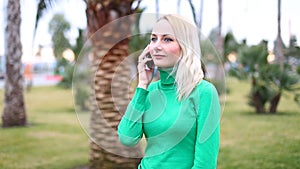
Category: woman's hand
[145,75]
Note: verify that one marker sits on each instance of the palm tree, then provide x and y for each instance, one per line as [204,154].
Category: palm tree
[193,11]
[280,59]
[42,6]
[219,71]
[278,52]
[14,112]
[220,39]
[200,15]
[110,50]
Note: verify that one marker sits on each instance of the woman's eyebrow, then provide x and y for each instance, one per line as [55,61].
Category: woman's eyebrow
[153,34]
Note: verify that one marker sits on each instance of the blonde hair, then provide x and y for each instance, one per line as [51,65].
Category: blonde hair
[188,71]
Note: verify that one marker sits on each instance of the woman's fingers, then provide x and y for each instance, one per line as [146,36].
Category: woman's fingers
[144,53]
[142,63]
[143,59]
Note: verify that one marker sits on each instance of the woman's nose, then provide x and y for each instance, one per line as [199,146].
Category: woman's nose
[157,45]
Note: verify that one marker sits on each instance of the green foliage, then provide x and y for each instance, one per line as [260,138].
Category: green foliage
[268,80]
[58,27]
[293,50]
[42,6]
[82,83]
[285,79]
[67,76]
[78,47]
[230,44]
[138,41]
[254,58]
[209,53]
[81,97]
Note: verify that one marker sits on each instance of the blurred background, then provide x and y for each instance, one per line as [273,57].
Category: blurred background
[65,65]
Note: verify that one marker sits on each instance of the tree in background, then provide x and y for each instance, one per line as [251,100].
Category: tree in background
[268,79]
[42,7]
[108,57]
[58,27]
[231,45]
[279,44]
[219,73]
[14,112]
[210,55]
[292,54]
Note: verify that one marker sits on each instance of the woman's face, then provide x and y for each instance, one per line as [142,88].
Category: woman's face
[164,48]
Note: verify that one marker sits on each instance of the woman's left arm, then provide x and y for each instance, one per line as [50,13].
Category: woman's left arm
[208,129]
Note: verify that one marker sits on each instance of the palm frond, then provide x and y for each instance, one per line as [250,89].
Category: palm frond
[42,6]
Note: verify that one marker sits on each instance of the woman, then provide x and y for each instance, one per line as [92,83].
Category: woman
[179,115]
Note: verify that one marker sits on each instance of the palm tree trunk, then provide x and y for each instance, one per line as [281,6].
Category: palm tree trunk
[14,113]
[278,52]
[219,70]
[193,11]
[259,107]
[256,99]
[200,15]
[274,103]
[111,84]
[220,38]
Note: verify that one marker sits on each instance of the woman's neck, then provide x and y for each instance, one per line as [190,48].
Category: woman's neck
[167,76]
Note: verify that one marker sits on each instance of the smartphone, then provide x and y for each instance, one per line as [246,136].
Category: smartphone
[150,64]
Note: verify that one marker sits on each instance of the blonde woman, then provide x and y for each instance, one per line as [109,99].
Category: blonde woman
[179,115]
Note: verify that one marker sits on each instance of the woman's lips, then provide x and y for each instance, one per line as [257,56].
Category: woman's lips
[158,56]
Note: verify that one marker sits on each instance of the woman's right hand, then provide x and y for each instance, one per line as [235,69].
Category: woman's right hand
[145,75]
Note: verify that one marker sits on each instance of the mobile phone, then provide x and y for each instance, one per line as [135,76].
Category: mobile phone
[149,64]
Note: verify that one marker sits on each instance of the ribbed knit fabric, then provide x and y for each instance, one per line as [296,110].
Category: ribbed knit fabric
[180,135]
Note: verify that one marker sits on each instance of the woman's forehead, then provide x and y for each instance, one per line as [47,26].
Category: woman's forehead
[163,27]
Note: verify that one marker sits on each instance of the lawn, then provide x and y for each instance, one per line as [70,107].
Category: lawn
[54,138]
[251,141]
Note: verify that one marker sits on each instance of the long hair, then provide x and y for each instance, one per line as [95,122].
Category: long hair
[188,70]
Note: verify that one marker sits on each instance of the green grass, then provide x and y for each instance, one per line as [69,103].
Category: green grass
[54,138]
[251,141]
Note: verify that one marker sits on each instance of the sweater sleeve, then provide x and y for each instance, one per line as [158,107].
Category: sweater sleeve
[130,129]
[208,129]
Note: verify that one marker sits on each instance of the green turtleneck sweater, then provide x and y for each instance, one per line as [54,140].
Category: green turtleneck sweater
[180,134]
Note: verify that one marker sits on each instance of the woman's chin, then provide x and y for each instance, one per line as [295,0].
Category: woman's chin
[162,65]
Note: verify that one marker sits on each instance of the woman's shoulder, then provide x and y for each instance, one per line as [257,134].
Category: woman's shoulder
[206,86]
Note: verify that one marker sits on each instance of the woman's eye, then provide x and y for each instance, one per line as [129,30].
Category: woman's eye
[153,39]
[168,39]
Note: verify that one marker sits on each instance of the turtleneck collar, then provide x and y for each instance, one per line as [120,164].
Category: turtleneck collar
[166,79]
